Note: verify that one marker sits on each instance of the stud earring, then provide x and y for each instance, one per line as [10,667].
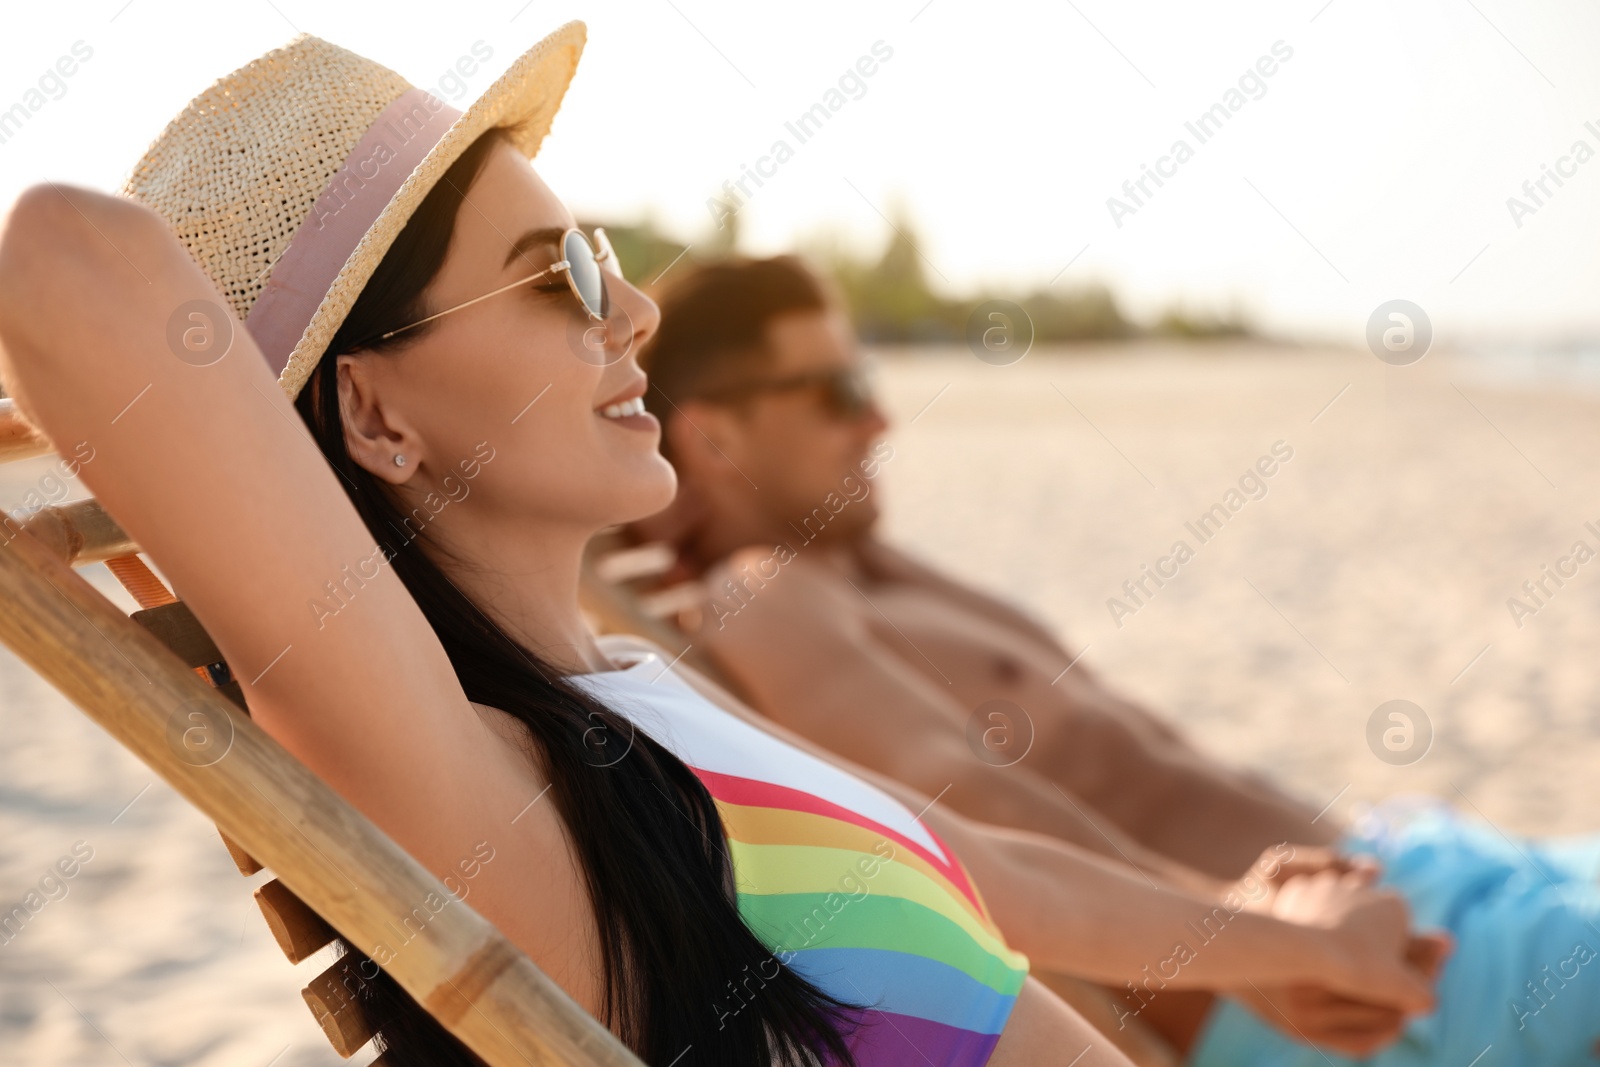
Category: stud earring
[399,460]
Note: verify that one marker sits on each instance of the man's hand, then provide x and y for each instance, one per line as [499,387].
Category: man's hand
[1326,1020]
[1338,1023]
[1371,937]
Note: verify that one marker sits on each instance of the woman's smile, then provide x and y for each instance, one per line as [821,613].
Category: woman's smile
[626,410]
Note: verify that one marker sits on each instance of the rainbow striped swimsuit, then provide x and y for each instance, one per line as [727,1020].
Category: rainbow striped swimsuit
[842,882]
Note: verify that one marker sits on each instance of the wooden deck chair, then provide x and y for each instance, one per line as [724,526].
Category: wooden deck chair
[152,680]
[621,591]
[624,590]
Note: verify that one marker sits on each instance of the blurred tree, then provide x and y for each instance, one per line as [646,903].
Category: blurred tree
[1086,312]
[642,249]
[722,241]
[891,300]
[1176,322]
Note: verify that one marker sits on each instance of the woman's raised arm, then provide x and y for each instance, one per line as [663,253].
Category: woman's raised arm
[211,470]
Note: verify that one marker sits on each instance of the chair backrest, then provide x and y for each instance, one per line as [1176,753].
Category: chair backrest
[157,674]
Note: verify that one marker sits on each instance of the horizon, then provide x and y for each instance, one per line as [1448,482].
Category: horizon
[1299,167]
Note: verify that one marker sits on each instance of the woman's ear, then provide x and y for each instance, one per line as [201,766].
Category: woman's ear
[377,438]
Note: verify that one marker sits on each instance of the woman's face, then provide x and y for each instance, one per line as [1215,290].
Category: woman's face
[512,391]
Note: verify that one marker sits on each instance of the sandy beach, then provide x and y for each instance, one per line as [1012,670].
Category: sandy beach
[1405,506]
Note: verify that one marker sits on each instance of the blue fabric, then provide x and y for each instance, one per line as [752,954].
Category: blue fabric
[1523,985]
[903,984]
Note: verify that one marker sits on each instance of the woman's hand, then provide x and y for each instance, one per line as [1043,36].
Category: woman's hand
[1372,954]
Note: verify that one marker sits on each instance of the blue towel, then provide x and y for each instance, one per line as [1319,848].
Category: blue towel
[1523,984]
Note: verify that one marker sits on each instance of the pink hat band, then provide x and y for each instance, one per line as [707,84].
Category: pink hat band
[354,198]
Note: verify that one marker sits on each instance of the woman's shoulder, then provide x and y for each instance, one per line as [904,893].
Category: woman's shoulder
[724,738]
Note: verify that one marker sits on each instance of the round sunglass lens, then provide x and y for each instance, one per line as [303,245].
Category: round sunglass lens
[585,273]
[606,254]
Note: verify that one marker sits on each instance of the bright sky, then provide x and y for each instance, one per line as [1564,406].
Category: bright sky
[1374,163]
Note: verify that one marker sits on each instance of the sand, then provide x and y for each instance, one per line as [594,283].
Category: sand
[1377,566]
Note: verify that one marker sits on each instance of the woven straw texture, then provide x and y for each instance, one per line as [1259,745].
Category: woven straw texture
[238,172]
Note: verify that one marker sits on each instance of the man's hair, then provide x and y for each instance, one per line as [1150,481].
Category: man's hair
[713,330]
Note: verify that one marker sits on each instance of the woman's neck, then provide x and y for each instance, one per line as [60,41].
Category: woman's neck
[526,580]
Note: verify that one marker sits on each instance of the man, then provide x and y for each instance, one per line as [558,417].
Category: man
[840,637]
[845,639]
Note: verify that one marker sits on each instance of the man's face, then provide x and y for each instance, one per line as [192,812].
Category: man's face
[793,445]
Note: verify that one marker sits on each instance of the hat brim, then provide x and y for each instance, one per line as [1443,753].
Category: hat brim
[523,101]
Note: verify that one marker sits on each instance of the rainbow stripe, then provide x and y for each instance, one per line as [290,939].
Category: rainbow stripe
[838,879]
[874,919]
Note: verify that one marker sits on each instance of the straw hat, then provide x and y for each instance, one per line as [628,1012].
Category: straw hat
[290,178]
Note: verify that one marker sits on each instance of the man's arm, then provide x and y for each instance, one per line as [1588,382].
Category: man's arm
[1172,797]
[808,662]
[1184,793]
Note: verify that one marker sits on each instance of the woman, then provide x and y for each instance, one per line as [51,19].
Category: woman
[713,890]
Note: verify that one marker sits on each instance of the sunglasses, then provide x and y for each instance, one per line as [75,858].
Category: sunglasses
[846,392]
[585,264]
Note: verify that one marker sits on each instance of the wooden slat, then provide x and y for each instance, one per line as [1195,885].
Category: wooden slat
[241,859]
[629,563]
[459,967]
[235,692]
[78,533]
[299,931]
[175,626]
[18,438]
[670,602]
[331,996]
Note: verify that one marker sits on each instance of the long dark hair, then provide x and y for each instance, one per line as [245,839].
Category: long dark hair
[678,961]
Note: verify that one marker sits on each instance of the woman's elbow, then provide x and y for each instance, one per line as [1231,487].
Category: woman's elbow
[66,251]
[50,226]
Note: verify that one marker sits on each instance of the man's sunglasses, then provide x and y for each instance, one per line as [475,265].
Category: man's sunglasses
[585,265]
[846,392]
